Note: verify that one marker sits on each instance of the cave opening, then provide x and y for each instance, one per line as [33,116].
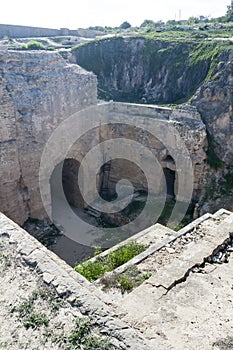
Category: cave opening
[170,177]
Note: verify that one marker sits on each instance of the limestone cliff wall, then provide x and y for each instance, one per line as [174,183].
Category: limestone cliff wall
[214,101]
[37,91]
[144,70]
[162,71]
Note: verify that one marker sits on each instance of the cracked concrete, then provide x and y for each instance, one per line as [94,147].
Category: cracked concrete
[187,303]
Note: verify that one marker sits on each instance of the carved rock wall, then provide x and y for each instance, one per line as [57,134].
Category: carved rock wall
[37,91]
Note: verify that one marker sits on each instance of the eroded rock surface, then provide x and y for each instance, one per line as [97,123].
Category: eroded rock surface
[38,91]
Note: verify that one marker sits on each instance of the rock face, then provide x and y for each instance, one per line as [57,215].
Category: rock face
[214,101]
[37,91]
[139,69]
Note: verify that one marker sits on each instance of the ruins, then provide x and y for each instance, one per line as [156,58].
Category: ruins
[51,121]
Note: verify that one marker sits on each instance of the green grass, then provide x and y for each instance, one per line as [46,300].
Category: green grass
[29,317]
[92,270]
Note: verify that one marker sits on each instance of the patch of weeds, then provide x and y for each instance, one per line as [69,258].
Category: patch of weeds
[92,270]
[5,260]
[24,308]
[97,251]
[35,320]
[54,301]
[126,281]
[27,313]
[83,338]
[176,228]
[82,328]
[5,344]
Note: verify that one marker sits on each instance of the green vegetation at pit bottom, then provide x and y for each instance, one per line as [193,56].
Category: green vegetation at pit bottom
[127,281]
[92,270]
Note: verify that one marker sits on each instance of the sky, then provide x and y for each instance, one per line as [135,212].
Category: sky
[82,14]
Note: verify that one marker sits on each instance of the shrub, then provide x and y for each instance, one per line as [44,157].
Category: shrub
[125,25]
[83,338]
[125,253]
[126,284]
[126,281]
[92,270]
[33,45]
[35,320]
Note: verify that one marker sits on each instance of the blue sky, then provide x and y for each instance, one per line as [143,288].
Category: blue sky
[75,13]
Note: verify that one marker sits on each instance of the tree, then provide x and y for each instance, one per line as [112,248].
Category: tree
[192,20]
[229,14]
[125,25]
[147,23]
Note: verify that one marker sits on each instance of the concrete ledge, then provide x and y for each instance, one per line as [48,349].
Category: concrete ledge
[157,246]
[71,286]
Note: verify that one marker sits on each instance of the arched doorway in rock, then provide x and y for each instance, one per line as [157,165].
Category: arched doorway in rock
[169,170]
[65,195]
[64,183]
[170,176]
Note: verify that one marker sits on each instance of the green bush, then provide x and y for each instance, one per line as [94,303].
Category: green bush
[35,320]
[126,284]
[33,45]
[83,338]
[125,253]
[92,270]
[127,281]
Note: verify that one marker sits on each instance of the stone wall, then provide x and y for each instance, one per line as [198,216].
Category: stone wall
[16,31]
[38,91]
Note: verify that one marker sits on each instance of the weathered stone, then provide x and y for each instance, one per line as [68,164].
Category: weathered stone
[37,91]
